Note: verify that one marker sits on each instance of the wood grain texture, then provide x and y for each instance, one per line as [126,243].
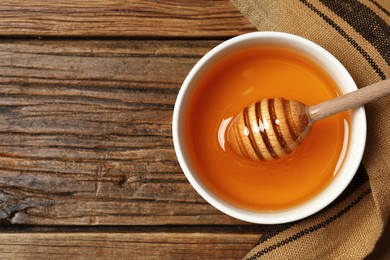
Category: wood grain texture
[86,139]
[125,245]
[177,18]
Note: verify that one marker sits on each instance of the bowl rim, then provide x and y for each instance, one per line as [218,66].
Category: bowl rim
[346,172]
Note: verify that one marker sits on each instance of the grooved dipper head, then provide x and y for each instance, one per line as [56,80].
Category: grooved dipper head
[269,129]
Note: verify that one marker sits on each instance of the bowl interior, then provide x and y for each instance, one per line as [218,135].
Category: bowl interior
[357,131]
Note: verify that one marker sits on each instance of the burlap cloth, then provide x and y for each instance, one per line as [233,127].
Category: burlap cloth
[358,34]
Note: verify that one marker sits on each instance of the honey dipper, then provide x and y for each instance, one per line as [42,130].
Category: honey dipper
[274,127]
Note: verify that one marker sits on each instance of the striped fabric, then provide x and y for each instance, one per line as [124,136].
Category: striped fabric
[358,34]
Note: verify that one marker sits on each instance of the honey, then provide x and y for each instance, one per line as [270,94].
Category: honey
[246,77]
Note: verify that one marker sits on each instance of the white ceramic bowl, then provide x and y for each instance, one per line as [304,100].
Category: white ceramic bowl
[338,73]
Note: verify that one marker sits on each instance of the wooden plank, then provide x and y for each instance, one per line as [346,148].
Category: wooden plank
[125,245]
[176,18]
[85,134]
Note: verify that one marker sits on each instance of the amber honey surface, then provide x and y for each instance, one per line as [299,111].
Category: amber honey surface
[239,80]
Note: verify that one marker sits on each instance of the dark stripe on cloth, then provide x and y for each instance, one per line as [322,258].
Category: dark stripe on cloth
[365,22]
[347,37]
[380,7]
[313,228]
[359,179]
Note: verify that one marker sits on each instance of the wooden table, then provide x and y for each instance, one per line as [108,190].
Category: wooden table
[87,166]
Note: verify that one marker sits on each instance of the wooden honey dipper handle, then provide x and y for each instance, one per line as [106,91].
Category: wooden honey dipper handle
[273,127]
[350,100]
